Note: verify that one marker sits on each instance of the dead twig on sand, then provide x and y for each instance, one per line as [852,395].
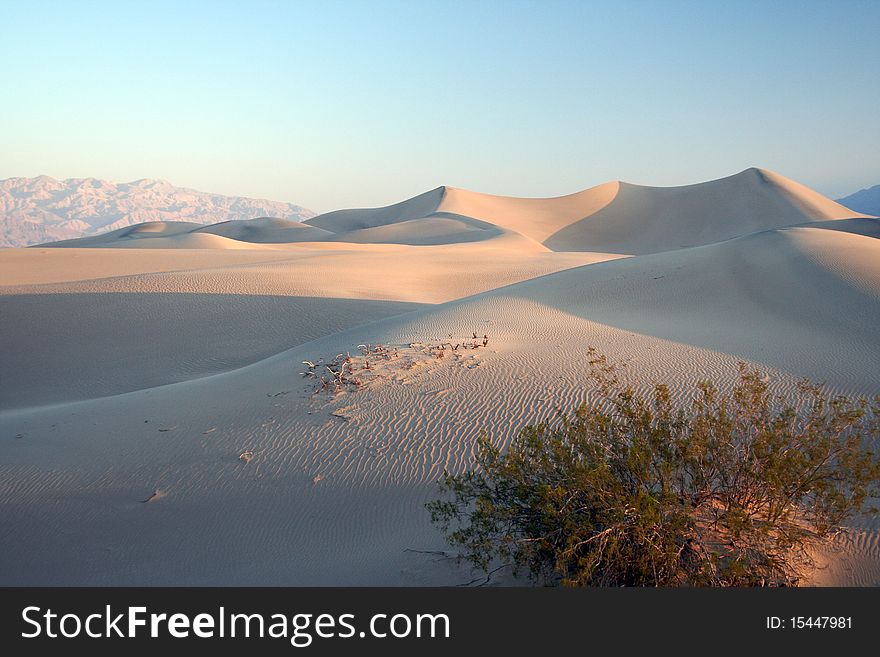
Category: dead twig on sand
[156,494]
[488,578]
[345,372]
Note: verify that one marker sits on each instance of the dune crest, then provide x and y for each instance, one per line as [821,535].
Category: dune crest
[642,220]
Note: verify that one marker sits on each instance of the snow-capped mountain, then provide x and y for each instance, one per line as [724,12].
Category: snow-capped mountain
[42,209]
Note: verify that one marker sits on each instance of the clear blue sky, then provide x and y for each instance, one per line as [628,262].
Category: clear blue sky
[336,104]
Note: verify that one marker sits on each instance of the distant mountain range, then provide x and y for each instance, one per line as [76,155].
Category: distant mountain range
[866,200]
[42,209]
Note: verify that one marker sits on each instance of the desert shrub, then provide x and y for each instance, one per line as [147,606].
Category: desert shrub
[731,489]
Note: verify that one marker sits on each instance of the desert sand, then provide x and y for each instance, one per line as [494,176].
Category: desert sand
[157,427]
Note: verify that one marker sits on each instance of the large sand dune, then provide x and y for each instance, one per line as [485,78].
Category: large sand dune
[163,365]
[615,217]
[181,234]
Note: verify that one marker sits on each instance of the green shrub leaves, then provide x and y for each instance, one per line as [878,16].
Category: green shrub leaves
[731,490]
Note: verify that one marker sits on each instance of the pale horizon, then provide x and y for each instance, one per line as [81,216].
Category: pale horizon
[350,105]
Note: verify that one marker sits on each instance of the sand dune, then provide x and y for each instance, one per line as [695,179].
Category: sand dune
[536,219]
[618,217]
[138,340]
[430,230]
[187,235]
[799,299]
[166,315]
[644,220]
[388,272]
[160,366]
[266,230]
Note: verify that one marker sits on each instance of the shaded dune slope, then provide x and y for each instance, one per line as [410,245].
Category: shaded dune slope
[266,230]
[143,340]
[240,234]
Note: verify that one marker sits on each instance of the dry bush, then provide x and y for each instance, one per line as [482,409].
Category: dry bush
[730,490]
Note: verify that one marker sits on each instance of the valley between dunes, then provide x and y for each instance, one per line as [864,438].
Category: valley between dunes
[137,366]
